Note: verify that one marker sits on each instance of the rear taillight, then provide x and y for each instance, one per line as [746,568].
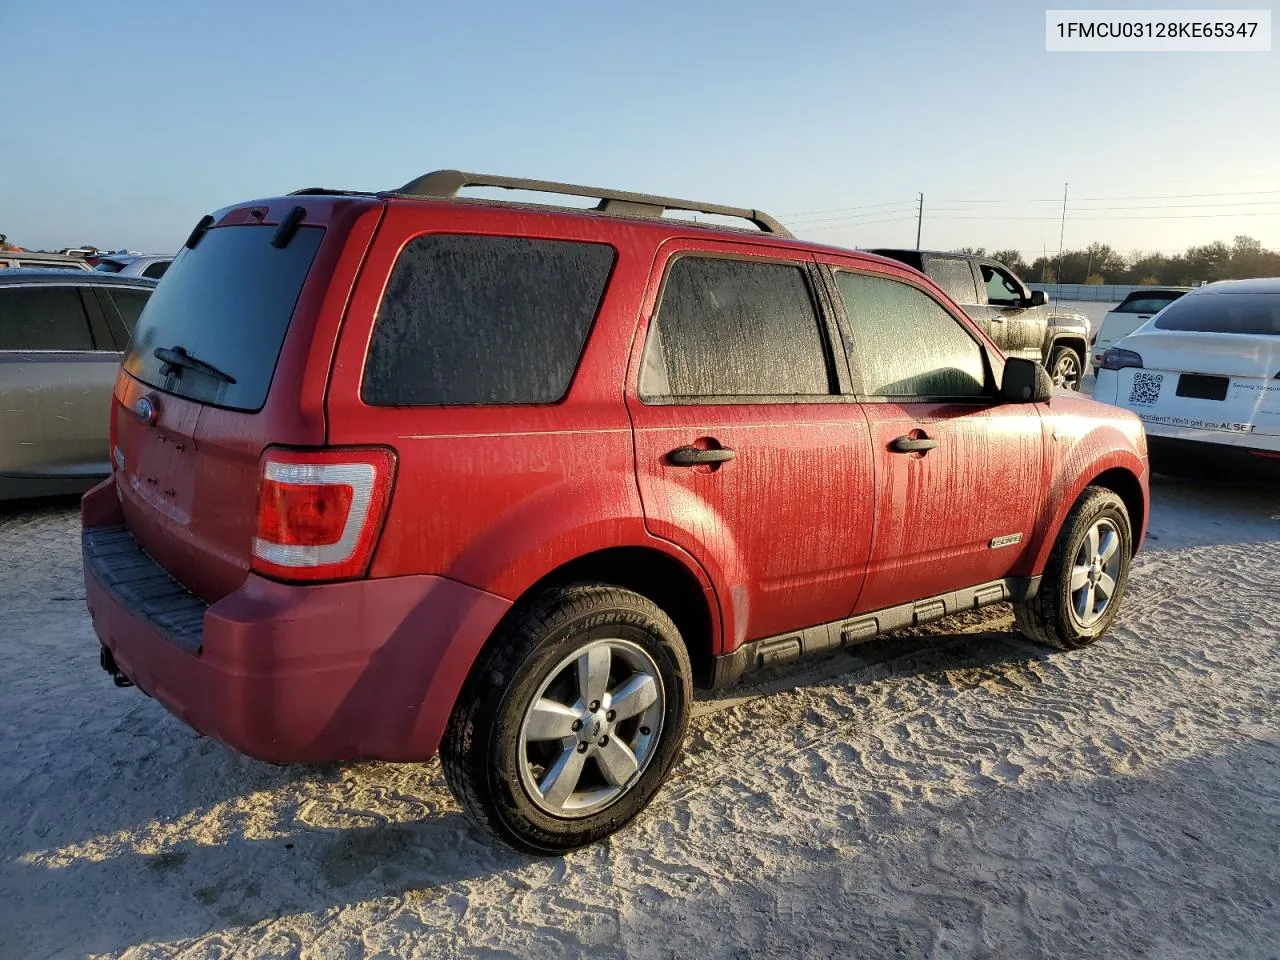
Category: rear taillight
[320,511]
[1117,359]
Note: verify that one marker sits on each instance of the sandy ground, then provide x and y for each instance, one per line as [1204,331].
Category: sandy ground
[955,793]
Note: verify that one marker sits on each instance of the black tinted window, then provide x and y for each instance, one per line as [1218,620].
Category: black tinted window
[156,270]
[43,318]
[1251,313]
[956,278]
[227,303]
[734,328]
[907,344]
[1147,302]
[129,304]
[492,320]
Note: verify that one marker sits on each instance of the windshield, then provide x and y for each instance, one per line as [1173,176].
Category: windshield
[227,304]
[1248,313]
[1147,302]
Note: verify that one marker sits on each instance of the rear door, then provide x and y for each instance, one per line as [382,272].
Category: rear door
[750,452]
[56,374]
[960,511]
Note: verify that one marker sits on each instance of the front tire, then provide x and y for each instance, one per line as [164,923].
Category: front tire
[1066,367]
[571,719]
[1085,577]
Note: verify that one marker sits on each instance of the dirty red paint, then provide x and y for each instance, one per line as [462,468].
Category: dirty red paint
[814,519]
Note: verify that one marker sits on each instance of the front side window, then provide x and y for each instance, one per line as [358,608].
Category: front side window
[907,344]
[1002,289]
[483,320]
[43,318]
[734,328]
[955,277]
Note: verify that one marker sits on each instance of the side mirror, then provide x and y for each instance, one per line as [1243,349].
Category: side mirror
[1038,298]
[1025,381]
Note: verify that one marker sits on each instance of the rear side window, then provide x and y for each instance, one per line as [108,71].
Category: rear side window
[734,328]
[156,270]
[483,320]
[129,304]
[43,318]
[227,303]
[1248,313]
[956,278]
[907,344]
[1147,302]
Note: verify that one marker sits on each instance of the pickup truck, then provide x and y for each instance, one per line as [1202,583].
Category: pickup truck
[1020,321]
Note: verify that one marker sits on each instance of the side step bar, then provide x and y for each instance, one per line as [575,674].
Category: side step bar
[771,651]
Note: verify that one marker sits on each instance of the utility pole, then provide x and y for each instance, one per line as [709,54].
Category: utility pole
[919,220]
[1062,232]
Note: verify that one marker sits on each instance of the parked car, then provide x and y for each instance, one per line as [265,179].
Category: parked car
[401,472]
[151,266]
[1020,321]
[29,260]
[1131,313]
[61,334]
[1204,376]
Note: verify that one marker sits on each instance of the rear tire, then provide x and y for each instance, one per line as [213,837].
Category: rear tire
[589,683]
[1085,577]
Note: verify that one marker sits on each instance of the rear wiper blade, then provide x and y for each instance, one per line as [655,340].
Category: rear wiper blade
[176,359]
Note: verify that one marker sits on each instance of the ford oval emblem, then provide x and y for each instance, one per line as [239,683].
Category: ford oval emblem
[146,410]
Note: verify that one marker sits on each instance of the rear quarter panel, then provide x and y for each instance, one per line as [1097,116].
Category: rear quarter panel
[498,496]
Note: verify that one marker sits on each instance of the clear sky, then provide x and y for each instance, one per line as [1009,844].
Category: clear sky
[125,122]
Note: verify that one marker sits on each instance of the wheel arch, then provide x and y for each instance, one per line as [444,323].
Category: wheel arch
[667,580]
[1128,488]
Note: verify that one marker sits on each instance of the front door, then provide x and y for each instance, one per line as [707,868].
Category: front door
[748,456]
[1017,328]
[958,474]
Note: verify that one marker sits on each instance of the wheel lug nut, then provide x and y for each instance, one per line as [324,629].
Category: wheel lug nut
[610,715]
[604,741]
[576,726]
[582,748]
[595,705]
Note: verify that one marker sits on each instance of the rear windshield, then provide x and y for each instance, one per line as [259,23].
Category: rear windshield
[1147,302]
[227,304]
[1250,313]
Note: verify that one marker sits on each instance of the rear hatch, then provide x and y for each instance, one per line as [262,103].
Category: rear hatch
[230,356]
[1209,362]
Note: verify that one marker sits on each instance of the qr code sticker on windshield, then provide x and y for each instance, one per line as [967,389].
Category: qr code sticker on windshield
[1146,388]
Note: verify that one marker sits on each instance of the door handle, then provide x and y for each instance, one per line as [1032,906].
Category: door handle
[693,457]
[999,317]
[912,444]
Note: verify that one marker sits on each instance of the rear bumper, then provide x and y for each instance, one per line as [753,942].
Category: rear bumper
[1222,461]
[287,673]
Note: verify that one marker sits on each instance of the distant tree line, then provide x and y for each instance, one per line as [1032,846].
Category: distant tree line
[1099,263]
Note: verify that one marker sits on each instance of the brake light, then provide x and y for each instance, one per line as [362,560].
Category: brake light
[320,511]
[1117,359]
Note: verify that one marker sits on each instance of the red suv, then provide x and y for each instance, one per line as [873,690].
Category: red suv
[403,472]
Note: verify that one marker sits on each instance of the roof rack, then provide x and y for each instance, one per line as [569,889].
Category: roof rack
[447,183]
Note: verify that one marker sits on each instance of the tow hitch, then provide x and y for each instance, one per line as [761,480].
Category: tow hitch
[109,664]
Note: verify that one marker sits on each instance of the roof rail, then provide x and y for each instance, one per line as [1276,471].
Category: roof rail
[447,183]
